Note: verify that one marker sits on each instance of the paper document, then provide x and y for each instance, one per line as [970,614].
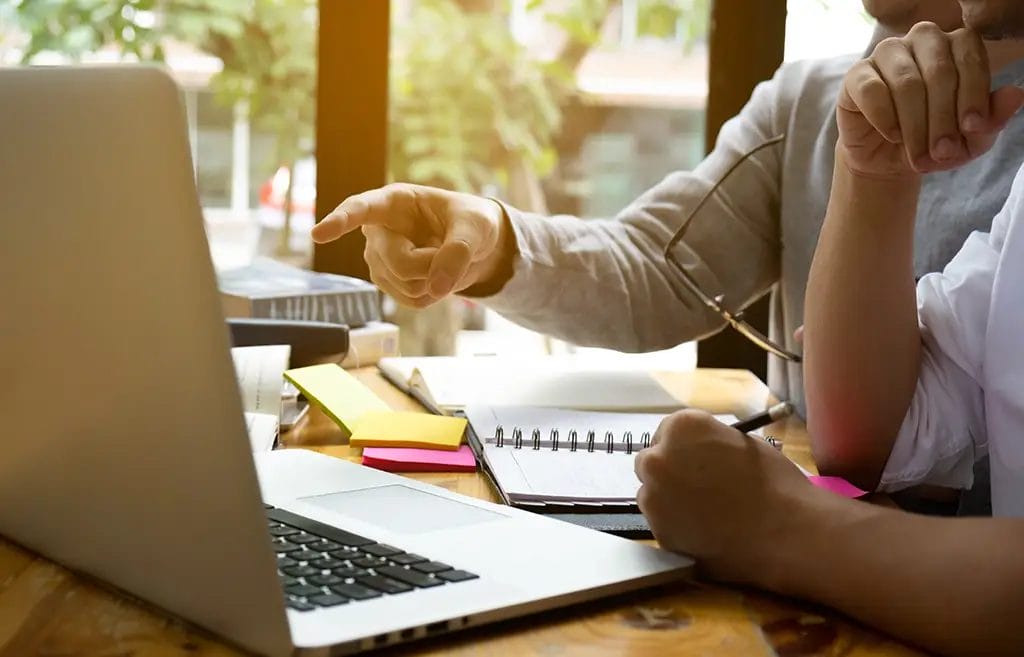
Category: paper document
[262,431]
[260,372]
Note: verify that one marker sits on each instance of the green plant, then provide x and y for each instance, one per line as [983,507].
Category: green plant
[466,100]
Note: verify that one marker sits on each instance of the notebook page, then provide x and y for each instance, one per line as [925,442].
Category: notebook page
[528,475]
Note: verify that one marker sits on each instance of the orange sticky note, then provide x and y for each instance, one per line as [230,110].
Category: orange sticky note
[390,429]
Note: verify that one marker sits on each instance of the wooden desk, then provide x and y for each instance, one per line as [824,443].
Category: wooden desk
[46,610]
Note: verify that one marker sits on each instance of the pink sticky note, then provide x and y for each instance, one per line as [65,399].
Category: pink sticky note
[837,485]
[408,459]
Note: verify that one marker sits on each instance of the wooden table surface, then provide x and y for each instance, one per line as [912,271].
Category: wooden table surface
[46,610]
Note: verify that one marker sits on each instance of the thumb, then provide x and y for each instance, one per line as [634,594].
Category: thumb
[1003,104]
[453,258]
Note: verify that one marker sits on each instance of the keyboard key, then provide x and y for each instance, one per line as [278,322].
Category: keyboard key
[299,605]
[281,530]
[355,591]
[350,571]
[328,600]
[407,559]
[305,555]
[284,562]
[370,562]
[326,546]
[413,577]
[289,581]
[285,547]
[381,550]
[457,575]
[302,539]
[326,563]
[300,571]
[339,536]
[325,580]
[431,567]
[383,584]
[303,590]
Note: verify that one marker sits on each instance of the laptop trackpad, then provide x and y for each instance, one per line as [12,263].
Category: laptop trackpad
[402,509]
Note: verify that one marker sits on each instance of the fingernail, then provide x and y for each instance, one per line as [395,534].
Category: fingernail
[946,149]
[441,285]
[973,122]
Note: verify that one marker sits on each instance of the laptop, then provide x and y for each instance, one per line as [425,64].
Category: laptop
[126,446]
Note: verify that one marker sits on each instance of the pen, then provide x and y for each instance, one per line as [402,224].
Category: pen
[765,418]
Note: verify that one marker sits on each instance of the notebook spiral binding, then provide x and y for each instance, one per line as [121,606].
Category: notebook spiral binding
[573,444]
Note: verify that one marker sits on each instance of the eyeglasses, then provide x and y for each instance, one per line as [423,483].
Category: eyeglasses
[716,303]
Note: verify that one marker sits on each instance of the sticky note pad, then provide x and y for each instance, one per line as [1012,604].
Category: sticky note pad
[837,485]
[337,393]
[389,429]
[402,459]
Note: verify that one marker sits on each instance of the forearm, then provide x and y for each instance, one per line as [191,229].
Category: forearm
[862,341]
[954,586]
[600,283]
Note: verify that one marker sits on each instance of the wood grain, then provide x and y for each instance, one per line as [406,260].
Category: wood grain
[46,610]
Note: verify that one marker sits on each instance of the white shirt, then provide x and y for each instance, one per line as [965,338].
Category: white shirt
[969,399]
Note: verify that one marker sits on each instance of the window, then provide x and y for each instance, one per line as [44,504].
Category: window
[247,72]
[555,106]
[826,28]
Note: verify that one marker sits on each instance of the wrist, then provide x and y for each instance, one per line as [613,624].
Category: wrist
[497,268]
[824,538]
[795,547]
[902,179]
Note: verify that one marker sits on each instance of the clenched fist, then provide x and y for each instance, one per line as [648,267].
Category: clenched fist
[921,103]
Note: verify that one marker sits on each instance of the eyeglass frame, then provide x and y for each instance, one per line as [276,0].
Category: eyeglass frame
[716,304]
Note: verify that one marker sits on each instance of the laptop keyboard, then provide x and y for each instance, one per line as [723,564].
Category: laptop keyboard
[323,566]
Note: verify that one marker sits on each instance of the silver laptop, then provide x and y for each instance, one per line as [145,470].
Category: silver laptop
[126,454]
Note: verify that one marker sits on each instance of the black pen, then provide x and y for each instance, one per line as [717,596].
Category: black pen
[765,418]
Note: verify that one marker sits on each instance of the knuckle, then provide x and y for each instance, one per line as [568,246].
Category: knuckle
[924,28]
[888,46]
[941,69]
[969,57]
[653,466]
[906,81]
[874,88]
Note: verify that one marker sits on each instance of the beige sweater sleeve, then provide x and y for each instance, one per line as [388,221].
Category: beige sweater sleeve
[606,283]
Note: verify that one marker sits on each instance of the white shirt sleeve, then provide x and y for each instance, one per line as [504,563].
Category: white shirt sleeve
[943,432]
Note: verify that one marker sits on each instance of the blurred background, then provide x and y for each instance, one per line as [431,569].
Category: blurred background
[556,106]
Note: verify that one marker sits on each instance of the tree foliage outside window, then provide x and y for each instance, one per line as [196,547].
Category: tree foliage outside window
[470,106]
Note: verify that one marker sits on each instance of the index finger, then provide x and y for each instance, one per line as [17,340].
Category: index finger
[390,207]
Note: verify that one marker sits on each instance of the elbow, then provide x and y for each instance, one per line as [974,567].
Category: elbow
[848,452]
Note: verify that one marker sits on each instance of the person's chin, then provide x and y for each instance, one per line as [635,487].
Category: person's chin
[994,19]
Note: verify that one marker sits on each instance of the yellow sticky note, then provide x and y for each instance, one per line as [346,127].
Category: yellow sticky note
[338,394]
[388,429]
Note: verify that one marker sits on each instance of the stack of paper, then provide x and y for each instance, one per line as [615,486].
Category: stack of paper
[448,385]
[260,372]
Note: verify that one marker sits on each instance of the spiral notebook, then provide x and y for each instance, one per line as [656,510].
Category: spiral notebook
[553,457]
